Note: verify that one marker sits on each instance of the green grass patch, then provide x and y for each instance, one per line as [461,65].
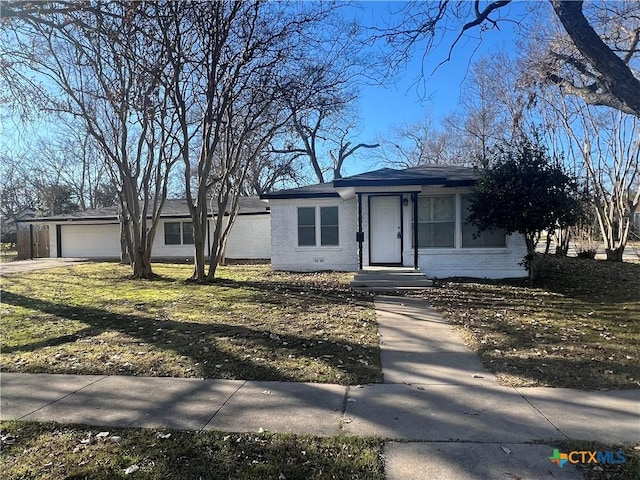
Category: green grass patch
[579,327]
[251,324]
[53,451]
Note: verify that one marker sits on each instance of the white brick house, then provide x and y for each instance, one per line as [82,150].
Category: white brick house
[413,218]
[96,233]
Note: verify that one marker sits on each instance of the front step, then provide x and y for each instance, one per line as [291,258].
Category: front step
[390,280]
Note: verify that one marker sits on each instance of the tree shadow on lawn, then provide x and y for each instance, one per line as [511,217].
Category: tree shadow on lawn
[555,334]
[205,345]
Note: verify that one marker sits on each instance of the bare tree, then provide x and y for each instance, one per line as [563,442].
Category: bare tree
[611,155]
[419,143]
[601,74]
[100,67]
[227,60]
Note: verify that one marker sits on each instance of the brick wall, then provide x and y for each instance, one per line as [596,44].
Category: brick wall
[287,255]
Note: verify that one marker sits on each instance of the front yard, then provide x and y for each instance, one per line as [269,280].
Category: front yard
[578,328]
[253,324]
[53,451]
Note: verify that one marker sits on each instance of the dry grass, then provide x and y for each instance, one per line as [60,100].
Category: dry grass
[52,451]
[252,324]
[578,328]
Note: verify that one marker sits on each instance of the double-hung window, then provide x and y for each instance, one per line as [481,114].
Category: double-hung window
[436,221]
[178,233]
[306,226]
[314,229]
[472,238]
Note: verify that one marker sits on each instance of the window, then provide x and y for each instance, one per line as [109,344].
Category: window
[178,233]
[329,226]
[471,238]
[187,233]
[172,233]
[306,226]
[436,222]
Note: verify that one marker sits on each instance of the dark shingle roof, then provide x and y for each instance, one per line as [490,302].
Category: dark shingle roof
[173,208]
[440,175]
[320,190]
[445,175]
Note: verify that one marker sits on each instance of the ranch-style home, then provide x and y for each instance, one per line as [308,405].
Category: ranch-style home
[414,217]
[96,233]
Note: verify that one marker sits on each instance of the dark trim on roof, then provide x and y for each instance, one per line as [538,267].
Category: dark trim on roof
[114,219]
[293,194]
[425,175]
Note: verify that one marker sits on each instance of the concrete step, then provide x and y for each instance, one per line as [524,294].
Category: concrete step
[388,280]
[388,276]
[398,282]
[386,289]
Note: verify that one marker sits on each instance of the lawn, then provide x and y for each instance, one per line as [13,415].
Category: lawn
[252,324]
[578,328]
[53,451]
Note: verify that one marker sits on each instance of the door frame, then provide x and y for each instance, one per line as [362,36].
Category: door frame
[390,264]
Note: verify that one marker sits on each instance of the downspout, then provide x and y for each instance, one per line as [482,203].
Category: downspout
[415,230]
[360,233]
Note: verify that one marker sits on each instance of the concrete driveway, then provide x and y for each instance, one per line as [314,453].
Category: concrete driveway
[20,266]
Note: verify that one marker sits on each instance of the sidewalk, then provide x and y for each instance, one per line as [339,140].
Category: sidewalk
[437,396]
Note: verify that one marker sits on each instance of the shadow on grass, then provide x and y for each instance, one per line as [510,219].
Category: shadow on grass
[204,344]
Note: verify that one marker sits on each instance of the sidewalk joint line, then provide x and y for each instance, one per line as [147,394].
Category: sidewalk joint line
[223,404]
[541,413]
[64,396]
[344,409]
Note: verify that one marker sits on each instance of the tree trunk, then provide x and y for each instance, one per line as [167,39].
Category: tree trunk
[141,264]
[615,254]
[532,261]
[125,241]
[199,262]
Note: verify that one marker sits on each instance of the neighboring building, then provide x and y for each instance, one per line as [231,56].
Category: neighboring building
[9,226]
[413,218]
[96,233]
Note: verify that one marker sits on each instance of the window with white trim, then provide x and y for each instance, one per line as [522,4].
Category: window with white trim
[472,238]
[436,221]
[178,233]
[316,229]
[329,226]
[306,226]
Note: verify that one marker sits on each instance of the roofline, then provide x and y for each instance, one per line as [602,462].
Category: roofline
[111,218]
[396,182]
[281,196]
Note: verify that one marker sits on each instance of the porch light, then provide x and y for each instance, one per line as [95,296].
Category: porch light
[405,201]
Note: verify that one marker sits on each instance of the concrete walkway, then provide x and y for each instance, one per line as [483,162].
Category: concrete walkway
[19,266]
[453,418]
[460,423]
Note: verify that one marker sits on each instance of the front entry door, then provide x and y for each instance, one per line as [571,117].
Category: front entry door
[385,229]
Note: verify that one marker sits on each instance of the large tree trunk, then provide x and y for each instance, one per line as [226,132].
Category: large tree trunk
[615,254]
[141,264]
[199,217]
[620,88]
[533,261]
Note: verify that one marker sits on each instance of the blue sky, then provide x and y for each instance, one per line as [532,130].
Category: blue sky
[407,98]
[412,96]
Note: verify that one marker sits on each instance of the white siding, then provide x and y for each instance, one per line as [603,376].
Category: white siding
[250,238]
[160,250]
[287,255]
